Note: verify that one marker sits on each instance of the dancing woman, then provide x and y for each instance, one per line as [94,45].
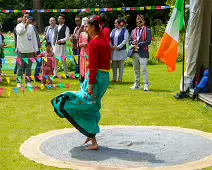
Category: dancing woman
[82,109]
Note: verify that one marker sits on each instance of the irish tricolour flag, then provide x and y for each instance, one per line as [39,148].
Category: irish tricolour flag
[168,51]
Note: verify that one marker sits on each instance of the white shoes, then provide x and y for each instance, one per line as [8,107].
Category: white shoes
[146,87]
[135,87]
[138,87]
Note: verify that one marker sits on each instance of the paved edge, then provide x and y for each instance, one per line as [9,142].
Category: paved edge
[31,149]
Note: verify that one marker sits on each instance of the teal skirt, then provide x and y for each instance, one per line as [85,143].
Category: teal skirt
[80,108]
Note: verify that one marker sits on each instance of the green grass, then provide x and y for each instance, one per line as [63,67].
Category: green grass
[29,114]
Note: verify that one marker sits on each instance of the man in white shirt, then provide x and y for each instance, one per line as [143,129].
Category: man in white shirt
[60,36]
[27,47]
[49,30]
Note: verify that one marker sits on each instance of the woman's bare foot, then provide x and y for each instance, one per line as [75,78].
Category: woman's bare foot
[94,145]
[87,140]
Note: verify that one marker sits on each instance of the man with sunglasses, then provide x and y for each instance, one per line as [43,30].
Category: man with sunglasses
[75,40]
[60,36]
[140,38]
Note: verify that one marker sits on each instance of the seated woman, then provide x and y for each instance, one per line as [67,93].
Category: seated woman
[82,109]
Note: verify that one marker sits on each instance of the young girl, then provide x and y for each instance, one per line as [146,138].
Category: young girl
[82,109]
[48,65]
[2,44]
[83,43]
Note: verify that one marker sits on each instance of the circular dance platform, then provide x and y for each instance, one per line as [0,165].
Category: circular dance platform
[123,147]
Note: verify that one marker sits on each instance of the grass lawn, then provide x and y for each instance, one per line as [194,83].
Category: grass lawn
[22,116]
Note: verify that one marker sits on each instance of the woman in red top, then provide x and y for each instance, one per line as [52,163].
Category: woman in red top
[82,109]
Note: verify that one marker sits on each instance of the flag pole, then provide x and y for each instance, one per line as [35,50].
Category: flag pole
[183,94]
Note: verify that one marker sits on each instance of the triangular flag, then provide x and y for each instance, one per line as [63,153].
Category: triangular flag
[42,87]
[9,91]
[77,75]
[76,58]
[30,89]
[70,57]
[19,78]
[168,51]
[39,60]
[0,79]
[45,59]
[55,87]
[23,89]
[46,77]
[35,88]
[73,76]
[52,78]
[86,56]
[33,60]
[8,80]
[19,61]
[15,90]
[63,75]
[62,86]
[33,78]
[39,77]
[14,78]
[64,58]
[27,77]
[59,58]
[1,91]
[26,60]
[10,61]
[49,87]
[68,86]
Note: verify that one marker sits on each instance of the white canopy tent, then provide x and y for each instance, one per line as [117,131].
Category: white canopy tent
[197,40]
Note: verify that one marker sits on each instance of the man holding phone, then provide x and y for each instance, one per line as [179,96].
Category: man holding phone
[27,47]
[60,36]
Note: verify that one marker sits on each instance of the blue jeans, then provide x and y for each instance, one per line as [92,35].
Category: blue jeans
[76,52]
[38,66]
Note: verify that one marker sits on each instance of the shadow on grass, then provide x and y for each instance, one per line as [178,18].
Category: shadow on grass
[105,153]
[161,90]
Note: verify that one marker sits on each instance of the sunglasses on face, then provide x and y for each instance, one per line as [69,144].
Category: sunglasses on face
[77,20]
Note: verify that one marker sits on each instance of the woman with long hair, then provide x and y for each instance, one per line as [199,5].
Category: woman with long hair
[82,109]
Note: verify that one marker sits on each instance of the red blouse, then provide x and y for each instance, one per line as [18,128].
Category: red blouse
[99,53]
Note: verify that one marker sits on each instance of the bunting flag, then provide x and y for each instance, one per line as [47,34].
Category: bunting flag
[33,60]
[168,50]
[68,86]
[63,75]
[76,58]
[64,58]
[10,61]
[30,89]
[1,91]
[26,60]
[33,78]
[8,80]
[23,89]
[45,59]
[8,91]
[42,87]
[0,79]
[91,9]
[15,90]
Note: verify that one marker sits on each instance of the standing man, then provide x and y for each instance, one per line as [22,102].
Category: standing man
[38,64]
[60,36]
[140,39]
[75,40]
[49,31]
[26,46]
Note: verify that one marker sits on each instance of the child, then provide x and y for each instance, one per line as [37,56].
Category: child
[83,43]
[2,44]
[49,65]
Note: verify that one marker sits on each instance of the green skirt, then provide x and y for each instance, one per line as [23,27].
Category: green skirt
[81,109]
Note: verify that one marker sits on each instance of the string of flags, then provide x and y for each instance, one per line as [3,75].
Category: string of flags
[16,90]
[89,9]
[20,78]
[34,60]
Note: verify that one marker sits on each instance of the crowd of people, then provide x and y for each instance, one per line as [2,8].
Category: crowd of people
[96,46]
[28,45]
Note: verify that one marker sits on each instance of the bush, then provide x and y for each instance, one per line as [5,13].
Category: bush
[71,66]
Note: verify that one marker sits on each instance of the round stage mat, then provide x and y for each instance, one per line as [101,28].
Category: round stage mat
[123,147]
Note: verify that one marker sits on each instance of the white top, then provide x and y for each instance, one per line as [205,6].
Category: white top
[122,54]
[26,39]
[60,50]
